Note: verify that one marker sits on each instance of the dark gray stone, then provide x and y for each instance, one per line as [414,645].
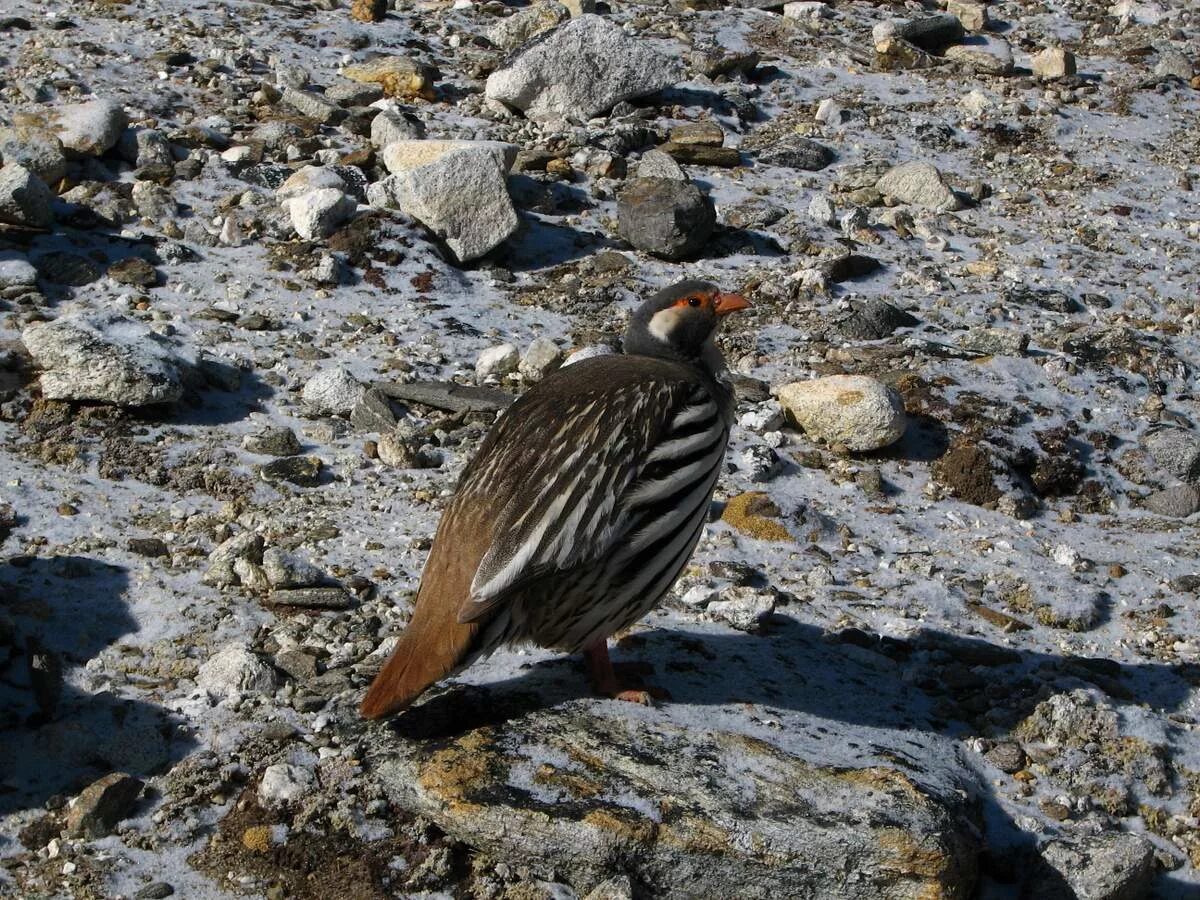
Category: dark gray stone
[664,217]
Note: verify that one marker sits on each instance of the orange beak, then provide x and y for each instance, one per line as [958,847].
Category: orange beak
[724,304]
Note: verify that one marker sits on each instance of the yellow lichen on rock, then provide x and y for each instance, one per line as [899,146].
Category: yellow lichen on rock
[257,838]
[755,515]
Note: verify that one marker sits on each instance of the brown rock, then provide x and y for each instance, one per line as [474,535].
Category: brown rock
[368,10]
[103,804]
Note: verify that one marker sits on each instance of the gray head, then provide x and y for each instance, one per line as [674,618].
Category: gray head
[678,321]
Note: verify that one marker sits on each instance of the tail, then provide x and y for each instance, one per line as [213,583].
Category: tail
[430,649]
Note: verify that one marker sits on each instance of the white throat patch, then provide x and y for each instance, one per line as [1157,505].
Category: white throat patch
[662,323]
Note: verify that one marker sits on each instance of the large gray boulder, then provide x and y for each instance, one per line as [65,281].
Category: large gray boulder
[697,797]
[457,190]
[108,358]
[581,69]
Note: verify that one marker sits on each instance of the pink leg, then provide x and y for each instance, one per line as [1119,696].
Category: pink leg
[605,681]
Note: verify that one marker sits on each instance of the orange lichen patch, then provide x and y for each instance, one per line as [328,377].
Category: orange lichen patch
[755,515]
[623,824]
[399,77]
[451,774]
[257,838]
[849,398]
[593,762]
[573,783]
[696,835]
[909,856]
[881,779]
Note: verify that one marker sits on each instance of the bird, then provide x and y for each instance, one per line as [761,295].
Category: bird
[581,507]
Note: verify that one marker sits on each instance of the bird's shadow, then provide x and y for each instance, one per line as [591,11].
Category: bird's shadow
[55,737]
[817,682]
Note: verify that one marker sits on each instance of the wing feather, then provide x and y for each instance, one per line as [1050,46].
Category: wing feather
[556,466]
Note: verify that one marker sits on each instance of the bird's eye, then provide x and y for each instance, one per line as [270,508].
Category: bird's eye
[693,301]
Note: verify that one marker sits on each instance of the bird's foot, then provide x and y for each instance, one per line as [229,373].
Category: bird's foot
[606,682]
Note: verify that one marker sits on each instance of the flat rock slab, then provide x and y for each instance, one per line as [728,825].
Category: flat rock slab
[699,797]
[109,358]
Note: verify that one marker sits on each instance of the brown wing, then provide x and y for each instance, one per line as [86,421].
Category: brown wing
[557,465]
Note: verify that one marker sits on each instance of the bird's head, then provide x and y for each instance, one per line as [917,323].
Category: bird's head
[679,321]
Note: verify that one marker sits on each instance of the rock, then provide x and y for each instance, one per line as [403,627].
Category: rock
[283,570]
[499,360]
[1105,866]
[143,147]
[133,270]
[1171,64]
[283,784]
[540,359]
[410,155]
[397,75]
[106,357]
[450,396]
[611,785]
[373,412]
[656,164]
[1052,63]
[90,128]
[664,217]
[16,271]
[368,10]
[744,608]
[971,14]
[760,463]
[918,184]
[37,149]
[619,888]
[155,890]
[392,125]
[983,54]
[313,106]
[245,545]
[797,153]
[706,134]
[304,471]
[461,196]
[526,24]
[702,154]
[332,392]
[1175,450]
[318,214]
[579,8]
[821,209]
[308,179]
[102,804]
[235,672]
[311,598]
[806,10]
[868,319]
[24,198]
[853,411]
[579,70]
[994,341]
[1178,501]
[1007,756]
[273,440]
[930,33]
[298,664]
